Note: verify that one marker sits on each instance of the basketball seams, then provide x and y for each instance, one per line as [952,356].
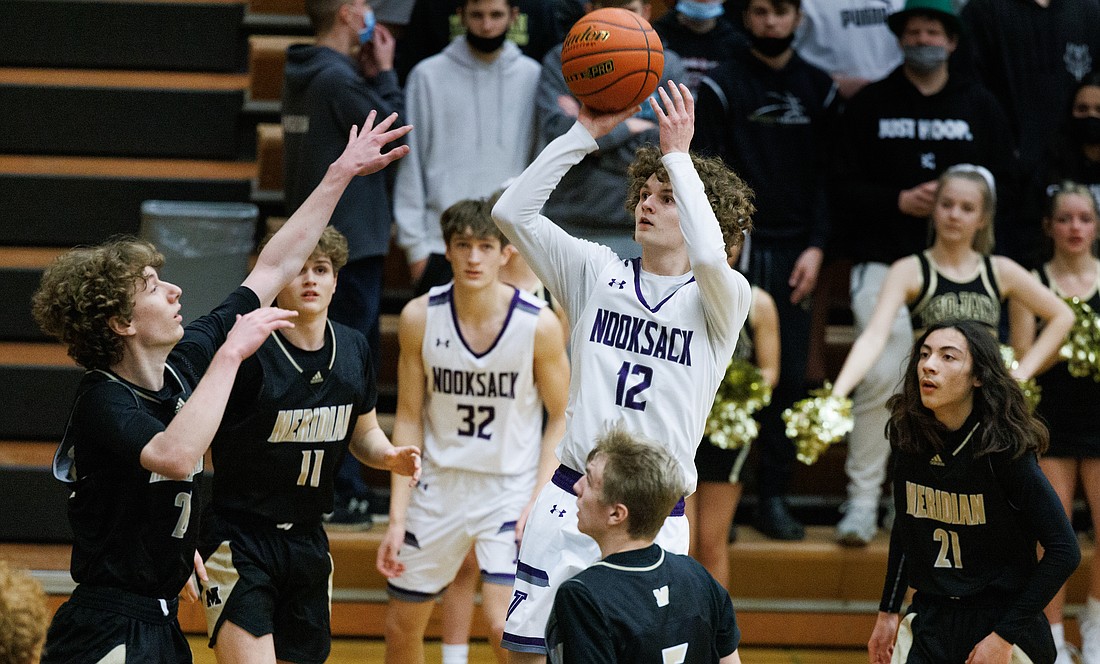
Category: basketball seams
[603,78]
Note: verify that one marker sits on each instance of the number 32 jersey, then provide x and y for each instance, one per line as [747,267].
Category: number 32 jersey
[482,412]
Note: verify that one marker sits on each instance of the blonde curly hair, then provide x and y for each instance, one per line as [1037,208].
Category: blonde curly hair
[730,197]
[23,616]
[84,288]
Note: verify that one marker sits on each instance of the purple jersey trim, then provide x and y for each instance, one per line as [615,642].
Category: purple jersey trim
[511,310]
[636,263]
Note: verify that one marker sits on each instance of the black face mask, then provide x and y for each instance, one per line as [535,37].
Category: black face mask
[1085,130]
[770,47]
[486,44]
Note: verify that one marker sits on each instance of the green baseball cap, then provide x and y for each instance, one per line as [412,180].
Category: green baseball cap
[941,9]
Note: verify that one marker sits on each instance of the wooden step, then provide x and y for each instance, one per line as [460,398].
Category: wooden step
[266,62]
[143,34]
[269,157]
[812,593]
[290,7]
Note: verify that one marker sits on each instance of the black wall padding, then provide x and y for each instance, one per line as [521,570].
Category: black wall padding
[36,401]
[36,506]
[16,287]
[121,122]
[125,35]
[61,211]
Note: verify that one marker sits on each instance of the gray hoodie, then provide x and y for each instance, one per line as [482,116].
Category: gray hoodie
[475,128]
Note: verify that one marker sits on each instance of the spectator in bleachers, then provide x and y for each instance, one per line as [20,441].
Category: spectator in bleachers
[1074,153]
[896,137]
[767,114]
[330,87]
[435,23]
[588,204]
[23,616]
[850,40]
[474,109]
[1031,54]
[146,411]
[701,35]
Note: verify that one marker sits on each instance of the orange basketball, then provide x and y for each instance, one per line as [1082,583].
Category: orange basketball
[612,59]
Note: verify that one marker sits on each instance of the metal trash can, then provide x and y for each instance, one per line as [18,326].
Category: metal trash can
[206,247]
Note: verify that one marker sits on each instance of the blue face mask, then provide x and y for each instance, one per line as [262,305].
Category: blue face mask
[367,33]
[700,11]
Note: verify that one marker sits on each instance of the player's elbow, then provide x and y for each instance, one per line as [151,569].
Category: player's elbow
[166,462]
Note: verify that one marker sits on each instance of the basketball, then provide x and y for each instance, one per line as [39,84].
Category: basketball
[612,59]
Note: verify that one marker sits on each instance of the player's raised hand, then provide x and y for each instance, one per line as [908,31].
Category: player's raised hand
[404,461]
[252,329]
[676,119]
[599,123]
[387,562]
[363,154]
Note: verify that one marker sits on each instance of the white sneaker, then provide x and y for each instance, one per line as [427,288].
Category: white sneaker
[857,528]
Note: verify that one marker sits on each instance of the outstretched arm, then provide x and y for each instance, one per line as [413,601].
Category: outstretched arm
[370,445]
[726,293]
[902,280]
[288,250]
[176,451]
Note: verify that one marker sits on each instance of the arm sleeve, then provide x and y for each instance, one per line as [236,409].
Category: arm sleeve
[567,265]
[1041,515]
[897,581]
[726,293]
[584,633]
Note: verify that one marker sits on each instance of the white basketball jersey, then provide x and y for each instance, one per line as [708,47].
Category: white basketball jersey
[481,412]
[649,366]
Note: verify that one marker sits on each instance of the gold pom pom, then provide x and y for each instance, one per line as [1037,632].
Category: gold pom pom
[817,422]
[1032,391]
[1081,350]
[741,393]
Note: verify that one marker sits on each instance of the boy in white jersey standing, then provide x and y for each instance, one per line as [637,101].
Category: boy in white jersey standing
[651,337]
[479,362]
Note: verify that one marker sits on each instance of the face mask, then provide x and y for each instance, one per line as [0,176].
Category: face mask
[771,46]
[699,11]
[924,59]
[367,32]
[1086,129]
[486,44]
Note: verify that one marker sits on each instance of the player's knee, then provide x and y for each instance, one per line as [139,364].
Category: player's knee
[402,626]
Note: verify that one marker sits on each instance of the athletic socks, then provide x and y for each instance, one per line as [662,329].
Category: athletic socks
[455,653]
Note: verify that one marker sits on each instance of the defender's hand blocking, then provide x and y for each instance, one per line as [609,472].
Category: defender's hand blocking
[252,329]
[677,119]
[363,154]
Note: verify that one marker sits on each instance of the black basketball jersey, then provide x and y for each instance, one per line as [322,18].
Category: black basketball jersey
[942,298]
[133,529]
[642,606]
[290,420]
[967,528]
